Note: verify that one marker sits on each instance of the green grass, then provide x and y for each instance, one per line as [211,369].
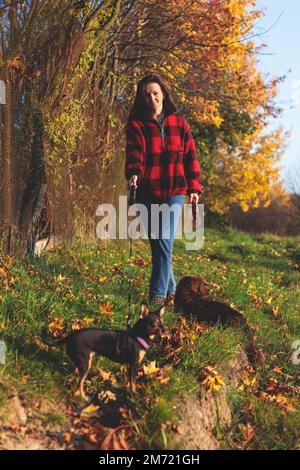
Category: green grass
[258,274]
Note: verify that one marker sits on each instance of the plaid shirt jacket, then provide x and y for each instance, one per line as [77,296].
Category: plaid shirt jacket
[163,157]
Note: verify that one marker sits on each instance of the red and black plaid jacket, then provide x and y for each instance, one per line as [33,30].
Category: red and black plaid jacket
[165,161]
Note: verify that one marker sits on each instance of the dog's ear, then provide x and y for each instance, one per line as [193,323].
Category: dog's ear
[161,311]
[144,310]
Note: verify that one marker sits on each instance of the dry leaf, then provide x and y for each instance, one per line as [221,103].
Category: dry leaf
[90,412]
[150,368]
[275,311]
[106,376]
[248,432]
[211,379]
[106,309]
[107,396]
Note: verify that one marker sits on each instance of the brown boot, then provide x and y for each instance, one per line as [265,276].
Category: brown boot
[170,300]
[157,301]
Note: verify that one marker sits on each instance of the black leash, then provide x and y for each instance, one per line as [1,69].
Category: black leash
[132,198]
[194,213]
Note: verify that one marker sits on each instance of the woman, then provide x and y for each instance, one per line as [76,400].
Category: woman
[161,163]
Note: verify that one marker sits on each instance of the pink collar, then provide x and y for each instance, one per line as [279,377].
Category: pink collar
[143,342]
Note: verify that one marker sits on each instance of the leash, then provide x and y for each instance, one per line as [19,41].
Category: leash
[194,213]
[132,198]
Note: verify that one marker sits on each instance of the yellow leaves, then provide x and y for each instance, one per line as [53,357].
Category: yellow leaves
[8,261]
[101,280]
[150,368]
[180,69]
[275,311]
[60,278]
[70,296]
[244,206]
[17,63]
[106,376]
[256,300]
[207,111]
[211,380]
[249,379]
[78,323]
[249,382]
[284,403]
[56,326]
[3,271]
[260,302]
[106,309]
[90,412]
[163,380]
[194,332]
[106,396]
[246,176]
[7,280]
[217,120]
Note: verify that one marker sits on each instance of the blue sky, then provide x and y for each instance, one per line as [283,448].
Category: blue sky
[281,55]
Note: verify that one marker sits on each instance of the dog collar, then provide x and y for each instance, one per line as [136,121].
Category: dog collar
[143,342]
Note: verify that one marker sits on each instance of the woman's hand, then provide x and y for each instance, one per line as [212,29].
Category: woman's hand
[194,197]
[133,182]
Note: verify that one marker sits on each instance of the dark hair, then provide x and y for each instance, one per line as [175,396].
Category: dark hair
[139,108]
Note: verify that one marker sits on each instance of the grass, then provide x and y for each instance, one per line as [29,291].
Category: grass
[85,284]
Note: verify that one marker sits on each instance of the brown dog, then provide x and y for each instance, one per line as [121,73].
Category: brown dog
[191,297]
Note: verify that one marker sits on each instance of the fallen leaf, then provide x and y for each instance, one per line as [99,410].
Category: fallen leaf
[115,440]
[283,402]
[60,278]
[150,368]
[90,412]
[248,432]
[106,308]
[56,326]
[106,376]
[210,379]
[275,311]
[139,262]
[107,396]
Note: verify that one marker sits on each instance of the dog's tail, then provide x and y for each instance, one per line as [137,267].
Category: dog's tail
[236,318]
[255,355]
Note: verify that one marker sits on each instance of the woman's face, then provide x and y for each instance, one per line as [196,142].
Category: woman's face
[154,97]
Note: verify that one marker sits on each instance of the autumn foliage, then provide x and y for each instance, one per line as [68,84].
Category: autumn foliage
[74,80]
[214,70]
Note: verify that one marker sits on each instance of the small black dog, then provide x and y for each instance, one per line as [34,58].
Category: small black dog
[124,347]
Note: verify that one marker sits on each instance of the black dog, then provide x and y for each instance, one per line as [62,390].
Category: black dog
[124,347]
[191,297]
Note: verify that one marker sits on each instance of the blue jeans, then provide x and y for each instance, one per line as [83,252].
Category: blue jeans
[161,239]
